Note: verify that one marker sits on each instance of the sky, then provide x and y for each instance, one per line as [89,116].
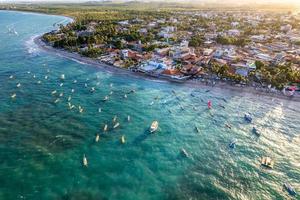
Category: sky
[296,2]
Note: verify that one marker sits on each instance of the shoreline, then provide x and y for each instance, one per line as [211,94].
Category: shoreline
[190,83]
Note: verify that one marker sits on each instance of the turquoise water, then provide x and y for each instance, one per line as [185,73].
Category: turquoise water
[42,143]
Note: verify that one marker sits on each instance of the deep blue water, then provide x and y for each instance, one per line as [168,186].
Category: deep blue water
[42,143]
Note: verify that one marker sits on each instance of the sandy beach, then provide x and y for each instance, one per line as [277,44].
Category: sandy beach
[241,90]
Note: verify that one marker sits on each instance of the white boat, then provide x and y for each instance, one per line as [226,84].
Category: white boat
[61,84]
[56,100]
[39,82]
[18,85]
[97,138]
[125,96]
[117,125]
[62,77]
[111,92]
[46,77]
[53,92]
[92,89]
[154,126]
[69,98]
[123,139]
[75,81]
[105,98]
[61,94]
[84,161]
[151,103]
[128,118]
[105,127]
[99,110]
[11,77]
[80,109]
[72,90]
[114,119]
[13,95]
[184,152]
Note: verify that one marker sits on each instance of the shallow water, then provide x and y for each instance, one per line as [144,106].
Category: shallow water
[42,143]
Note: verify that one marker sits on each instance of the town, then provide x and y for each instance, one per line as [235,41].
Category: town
[261,49]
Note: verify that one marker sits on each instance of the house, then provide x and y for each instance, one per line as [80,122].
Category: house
[233,32]
[124,23]
[163,51]
[208,52]
[263,57]
[234,24]
[243,69]
[278,58]
[143,31]
[286,28]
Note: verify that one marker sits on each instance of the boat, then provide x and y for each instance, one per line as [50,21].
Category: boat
[289,189]
[13,95]
[122,140]
[116,125]
[105,127]
[93,89]
[114,119]
[132,91]
[11,77]
[97,138]
[151,103]
[209,104]
[18,85]
[53,92]
[61,94]
[111,92]
[154,126]
[228,126]
[46,77]
[248,117]
[125,96]
[222,106]
[84,161]
[232,144]
[69,98]
[80,109]
[75,81]
[105,98]
[256,132]
[60,85]
[197,129]
[99,110]
[184,152]
[39,82]
[62,77]
[267,162]
[72,90]
[56,100]
[128,118]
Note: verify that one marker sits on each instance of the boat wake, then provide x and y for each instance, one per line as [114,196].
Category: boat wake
[31,47]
